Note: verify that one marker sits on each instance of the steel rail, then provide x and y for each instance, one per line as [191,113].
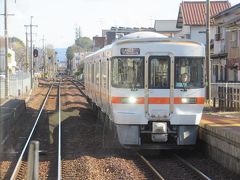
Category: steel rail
[151,167]
[59,134]
[29,137]
[79,87]
[192,167]
[81,83]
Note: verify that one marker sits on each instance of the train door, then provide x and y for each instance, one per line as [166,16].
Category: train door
[159,84]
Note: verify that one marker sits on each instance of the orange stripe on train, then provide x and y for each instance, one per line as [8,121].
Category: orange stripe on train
[156,100]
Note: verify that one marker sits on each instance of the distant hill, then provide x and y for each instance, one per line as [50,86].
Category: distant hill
[61,54]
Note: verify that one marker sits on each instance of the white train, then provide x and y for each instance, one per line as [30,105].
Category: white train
[150,87]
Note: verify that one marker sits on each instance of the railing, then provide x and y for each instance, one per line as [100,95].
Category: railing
[226,96]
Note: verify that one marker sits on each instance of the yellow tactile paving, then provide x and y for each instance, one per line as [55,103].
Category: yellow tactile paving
[226,121]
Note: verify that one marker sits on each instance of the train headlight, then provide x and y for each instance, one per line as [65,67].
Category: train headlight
[188,100]
[132,100]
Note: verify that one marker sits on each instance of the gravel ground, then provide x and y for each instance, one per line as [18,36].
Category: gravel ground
[84,153]
[16,140]
[89,149]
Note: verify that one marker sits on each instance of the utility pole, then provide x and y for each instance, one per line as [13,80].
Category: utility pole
[31,53]
[26,62]
[208,61]
[6,51]
[43,55]
[31,50]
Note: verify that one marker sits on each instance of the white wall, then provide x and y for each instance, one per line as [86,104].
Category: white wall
[197,33]
[185,30]
[11,60]
[201,37]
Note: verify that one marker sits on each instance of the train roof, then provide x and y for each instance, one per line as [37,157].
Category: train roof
[143,34]
[145,37]
[151,37]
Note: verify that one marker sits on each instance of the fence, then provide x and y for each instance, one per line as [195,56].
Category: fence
[19,84]
[226,96]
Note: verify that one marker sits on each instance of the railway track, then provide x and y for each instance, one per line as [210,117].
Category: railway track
[20,170]
[82,155]
[182,168]
[174,166]
[193,171]
[48,120]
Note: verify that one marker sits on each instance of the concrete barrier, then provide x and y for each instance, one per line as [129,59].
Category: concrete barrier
[220,139]
[10,113]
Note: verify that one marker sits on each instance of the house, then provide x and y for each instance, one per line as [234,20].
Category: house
[166,27]
[98,42]
[192,20]
[117,32]
[226,57]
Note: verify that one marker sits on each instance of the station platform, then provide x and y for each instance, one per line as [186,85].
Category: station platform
[219,136]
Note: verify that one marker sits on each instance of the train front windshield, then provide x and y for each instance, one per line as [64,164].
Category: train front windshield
[128,72]
[189,72]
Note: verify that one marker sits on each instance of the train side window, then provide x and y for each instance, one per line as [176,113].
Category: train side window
[88,73]
[159,72]
[97,74]
[92,72]
[104,76]
[108,72]
[85,71]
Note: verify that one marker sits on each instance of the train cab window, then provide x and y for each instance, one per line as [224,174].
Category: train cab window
[128,72]
[159,72]
[189,72]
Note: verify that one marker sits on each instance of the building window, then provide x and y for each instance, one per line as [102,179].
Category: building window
[234,41]
[221,73]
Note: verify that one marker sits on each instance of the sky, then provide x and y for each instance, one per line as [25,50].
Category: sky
[58,19]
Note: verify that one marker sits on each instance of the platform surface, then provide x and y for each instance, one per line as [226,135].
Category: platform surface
[221,133]
[222,120]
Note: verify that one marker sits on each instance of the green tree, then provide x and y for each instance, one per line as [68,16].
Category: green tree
[19,49]
[84,43]
[70,52]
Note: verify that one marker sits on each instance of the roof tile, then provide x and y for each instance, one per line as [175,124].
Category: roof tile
[193,12]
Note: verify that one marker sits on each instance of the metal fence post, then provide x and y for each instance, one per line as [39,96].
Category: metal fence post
[226,96]
[33,161]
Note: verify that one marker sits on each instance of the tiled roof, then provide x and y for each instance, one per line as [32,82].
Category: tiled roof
[193,12]
[226,11]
